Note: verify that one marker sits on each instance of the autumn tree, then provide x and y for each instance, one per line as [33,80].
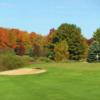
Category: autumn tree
[86,50]
[26,42]
[36,50]
[49,46]
[12,38]
[49,37]
[3,38]
[36,38]
[61,51]
[32,36]
[73,37]
[21,50]
[89,41]
[40,41]
[19,36]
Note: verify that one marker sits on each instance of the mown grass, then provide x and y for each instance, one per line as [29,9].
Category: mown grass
[62,81]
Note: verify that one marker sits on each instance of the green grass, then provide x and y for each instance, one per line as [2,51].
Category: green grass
[62,81]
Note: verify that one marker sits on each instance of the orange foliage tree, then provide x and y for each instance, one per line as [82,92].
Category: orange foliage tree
[3,38]
[32,36]
[36,38]
[12,39]
[49,37]
[19,36]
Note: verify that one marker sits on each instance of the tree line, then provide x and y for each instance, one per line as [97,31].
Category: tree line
[66,42]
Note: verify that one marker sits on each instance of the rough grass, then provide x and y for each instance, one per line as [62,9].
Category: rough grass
[62,81]
[9,61]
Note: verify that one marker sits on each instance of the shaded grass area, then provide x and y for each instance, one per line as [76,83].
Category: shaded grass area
[62,81]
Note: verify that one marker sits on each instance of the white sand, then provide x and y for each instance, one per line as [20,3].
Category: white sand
[22,71]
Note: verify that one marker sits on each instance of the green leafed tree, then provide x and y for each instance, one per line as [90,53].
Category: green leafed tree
[73,37]
[96,35]
[61,51]
[93,51]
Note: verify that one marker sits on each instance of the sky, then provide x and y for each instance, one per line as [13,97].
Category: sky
[41,15]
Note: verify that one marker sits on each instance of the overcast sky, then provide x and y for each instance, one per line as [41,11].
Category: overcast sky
[42,15]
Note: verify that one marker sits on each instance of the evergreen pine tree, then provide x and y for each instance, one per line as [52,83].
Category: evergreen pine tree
[94,50]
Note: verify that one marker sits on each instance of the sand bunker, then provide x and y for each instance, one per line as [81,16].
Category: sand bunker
[23,71]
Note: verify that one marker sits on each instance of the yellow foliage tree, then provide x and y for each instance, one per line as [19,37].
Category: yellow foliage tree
[61,51]
[26,41]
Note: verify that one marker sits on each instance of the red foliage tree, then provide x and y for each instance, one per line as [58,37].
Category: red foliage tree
[36,51]
[49,37]
[89,41]
[3,38]
[86,50]
[32,35]
[21,50]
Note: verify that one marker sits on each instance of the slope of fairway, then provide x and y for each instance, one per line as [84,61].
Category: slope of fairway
[61,81]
